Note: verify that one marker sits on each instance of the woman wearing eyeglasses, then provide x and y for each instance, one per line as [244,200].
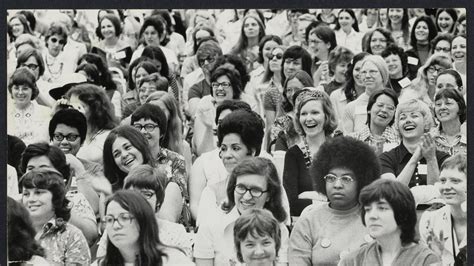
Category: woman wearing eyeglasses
[378,131]
[326,232]
[133,234]
[254,183]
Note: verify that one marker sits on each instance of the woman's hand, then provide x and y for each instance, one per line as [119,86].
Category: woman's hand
[60,104]
[436,243]
[321,75]
[75,165]
[428,147]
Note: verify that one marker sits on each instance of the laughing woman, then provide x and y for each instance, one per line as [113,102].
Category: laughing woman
[389,214]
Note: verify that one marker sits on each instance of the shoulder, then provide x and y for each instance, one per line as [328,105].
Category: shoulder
[175,256]
[357,257]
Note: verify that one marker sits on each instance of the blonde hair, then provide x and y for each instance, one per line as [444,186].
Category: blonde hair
[418,106]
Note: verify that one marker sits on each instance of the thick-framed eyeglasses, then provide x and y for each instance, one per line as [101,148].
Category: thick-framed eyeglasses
[209,60]
[122,219]
[30,66]
[224,85]
[147,127]
[69,137]
[442,49]
[254,192]
[345,179]
[433,69]
[55,40]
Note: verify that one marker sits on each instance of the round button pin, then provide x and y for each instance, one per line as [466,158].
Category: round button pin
[325,243]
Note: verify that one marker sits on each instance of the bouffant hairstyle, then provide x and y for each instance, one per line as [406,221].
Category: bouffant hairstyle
[231,105]
[414,105]
[248,125]
[448,93]
[256,223]
[295,52]
[25,55]
[263,41]
[22,245]
[71,118]
[348,153]
[24,76]
[234,78]
[115,22]
[432,31]
[400,199]
[337,56]
[54,154]
[56,28]
[147,177]
[373,98]
[263,167]
[393,49]
[154,113]
[53,182]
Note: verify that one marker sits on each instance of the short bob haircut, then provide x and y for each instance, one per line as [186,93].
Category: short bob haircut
[373,98]
[400,199]
[148,239]
[305,79]
[263,41]
[326,34]
[111,170]
[54,154]
[448,37]
[263,167]
[256,223]
[393,49]
[330,120]
[22,245]
[155,22]
[448,93]
[384,32]
[351,12]
[153,113]
[115,22]
[248,125]
[160,83]
[457,161]
[231,105]
[23,57]
[436,59]
[53,182]
[147,177]
[24,76]
[414,105]
[56,28]
[296,52]
[234,78]
[348,153]
[101,111]
[71,118]
[337,56]
[452,13]
[432,31]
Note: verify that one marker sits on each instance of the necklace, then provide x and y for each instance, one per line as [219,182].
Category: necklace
[53,67]
[307,153]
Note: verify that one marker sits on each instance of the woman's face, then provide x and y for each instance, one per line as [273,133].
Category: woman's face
[340,72]
[294,85]
[140,74]
[251,28]
[380,219]
[65,131]
[233,151]
[38,202]
[222,89]
[291,65]
[276,59]
[302,25]
[55,44]
[394,64]
[447,81]
[453,186]
[246,201]
[422,31]
[319,48]
[267,51]
[371,76]
[395,15]
[383,110]
[123,232]
[145,90]
[356,74]
[345,20]
[445,22]
[125,155]
[260,250]
[462,29]
[378,43]
[411,124]
[21,95]
[383,15]
[17,27]
[107,29]
[79,105]
[153,136]
[443,47]
[312,118]
[151,36]
[342,195]
[149,194]
[32,64]
[446,109]
[458,49]
[432,73]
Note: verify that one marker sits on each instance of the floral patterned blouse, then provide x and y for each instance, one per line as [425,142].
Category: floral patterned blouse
[64,243]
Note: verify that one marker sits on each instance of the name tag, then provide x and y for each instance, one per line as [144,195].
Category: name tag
[422,169]
[120,55]
[360,110]
[405,82]
[413,61]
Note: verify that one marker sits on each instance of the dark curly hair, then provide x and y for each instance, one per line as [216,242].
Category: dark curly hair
[22,245]
[401,201]
[53,182]
[233,76]
[345,152]
[237,62]
[395,50]
[231,105]
[263,167]
[69,117]
[105,77]
[368,38]
[432,31]
[248,125]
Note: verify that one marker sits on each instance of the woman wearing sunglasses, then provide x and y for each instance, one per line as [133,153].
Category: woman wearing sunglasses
[340,169]
[133,235]
[254,183]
